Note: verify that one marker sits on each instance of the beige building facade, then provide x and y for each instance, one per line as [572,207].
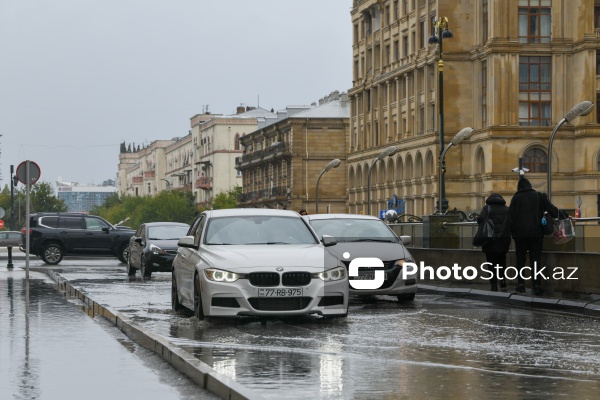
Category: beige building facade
[282,160]
[512,71]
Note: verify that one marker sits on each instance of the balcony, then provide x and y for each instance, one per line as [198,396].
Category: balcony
[149,175]
[137,179]
[203,183]
[279,191]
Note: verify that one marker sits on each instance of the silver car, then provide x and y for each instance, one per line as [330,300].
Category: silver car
[259,262]
[367,236]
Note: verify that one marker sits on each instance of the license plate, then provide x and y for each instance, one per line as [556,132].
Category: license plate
[369,277]
[280,292]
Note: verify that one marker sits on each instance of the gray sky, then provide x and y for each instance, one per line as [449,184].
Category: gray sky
[78,77]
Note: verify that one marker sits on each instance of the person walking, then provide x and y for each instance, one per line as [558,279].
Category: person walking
[526,209]
[495,250]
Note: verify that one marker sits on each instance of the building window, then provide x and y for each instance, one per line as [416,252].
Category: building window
[388,57]
[405,7]
[387,15]
[396,11]
[484,21]
[596,17]
[597,62]
[396,50]
[405,46]
[535,18]
[423,35]
[236,141]
[535,95]
[484,94]
[536,160]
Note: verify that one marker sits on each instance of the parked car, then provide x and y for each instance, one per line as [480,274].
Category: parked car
[368,236]
[260,262]
[153,247]
[55,235]
[10,238]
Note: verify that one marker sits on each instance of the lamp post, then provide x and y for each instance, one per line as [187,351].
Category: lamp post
[460,136]
[13,183]
[332,164]
[442,32]
[581,109]
[390,151]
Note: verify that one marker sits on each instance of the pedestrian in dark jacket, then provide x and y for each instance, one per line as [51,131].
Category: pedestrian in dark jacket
[495,250]
[526,209]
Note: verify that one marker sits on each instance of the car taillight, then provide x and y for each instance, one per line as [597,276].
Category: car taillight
[24,231]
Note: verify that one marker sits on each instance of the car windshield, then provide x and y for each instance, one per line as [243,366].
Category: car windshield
[354,230]
[167,232]
[255,230]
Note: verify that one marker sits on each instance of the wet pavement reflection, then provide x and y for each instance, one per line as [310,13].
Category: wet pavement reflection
[50,349]
[435,347]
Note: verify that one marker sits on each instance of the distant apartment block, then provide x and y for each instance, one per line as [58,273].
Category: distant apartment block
[82,198]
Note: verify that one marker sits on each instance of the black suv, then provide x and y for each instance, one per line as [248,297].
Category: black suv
[55,235]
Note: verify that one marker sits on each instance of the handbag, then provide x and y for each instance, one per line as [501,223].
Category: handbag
[547,223]
[485,231]
[564,230]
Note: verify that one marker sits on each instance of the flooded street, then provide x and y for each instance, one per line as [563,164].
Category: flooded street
[435,347]
[50,349]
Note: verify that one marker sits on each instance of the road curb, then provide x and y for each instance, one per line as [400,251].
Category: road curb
[581,307]
[202,374]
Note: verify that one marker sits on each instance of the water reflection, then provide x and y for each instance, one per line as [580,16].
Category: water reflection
[435,347]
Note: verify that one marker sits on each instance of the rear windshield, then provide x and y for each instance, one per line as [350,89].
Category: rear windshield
[354,230]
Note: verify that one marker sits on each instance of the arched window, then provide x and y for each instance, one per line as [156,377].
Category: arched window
[536,160]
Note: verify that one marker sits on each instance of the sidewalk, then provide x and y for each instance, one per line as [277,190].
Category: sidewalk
[584,304]
[50,349]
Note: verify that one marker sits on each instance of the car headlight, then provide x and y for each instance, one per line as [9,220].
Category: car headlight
[334,274]
[218,275]
[400,263]
[156,250]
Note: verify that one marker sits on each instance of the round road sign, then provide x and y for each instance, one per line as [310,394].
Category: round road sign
[1,224]
[34,172]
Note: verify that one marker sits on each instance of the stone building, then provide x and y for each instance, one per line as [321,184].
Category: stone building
[283,159]
[512,71]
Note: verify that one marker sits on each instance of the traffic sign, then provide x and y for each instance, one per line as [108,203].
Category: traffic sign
[34,172]
[1,224]
[2,212]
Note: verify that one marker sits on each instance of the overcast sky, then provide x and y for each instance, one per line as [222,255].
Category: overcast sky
[78,77]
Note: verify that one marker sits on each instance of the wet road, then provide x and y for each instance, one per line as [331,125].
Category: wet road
[50,349]
[436,347]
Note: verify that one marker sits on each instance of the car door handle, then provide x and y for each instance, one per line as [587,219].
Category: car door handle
[89,233]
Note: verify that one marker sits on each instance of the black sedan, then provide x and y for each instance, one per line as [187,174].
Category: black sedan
[154,246]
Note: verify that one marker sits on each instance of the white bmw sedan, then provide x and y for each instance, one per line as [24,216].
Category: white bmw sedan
[259,262]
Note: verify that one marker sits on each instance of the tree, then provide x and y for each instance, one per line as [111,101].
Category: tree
[226,199]
[43,199]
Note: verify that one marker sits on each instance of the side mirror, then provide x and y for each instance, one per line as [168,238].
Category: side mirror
[187,241]
[106,229]
[405,240]
[328,240]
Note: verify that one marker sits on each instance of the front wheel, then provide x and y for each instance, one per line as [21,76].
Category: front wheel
[130,268]
[175,304]
[52,254]
[406,297]
[145,269]
[198,310]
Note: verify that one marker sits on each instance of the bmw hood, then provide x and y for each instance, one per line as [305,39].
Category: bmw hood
[241,259]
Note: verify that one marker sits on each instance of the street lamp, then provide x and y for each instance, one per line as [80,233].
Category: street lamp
[390,151]
[460,136]
[580,110]
[332,164]
[442,32]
